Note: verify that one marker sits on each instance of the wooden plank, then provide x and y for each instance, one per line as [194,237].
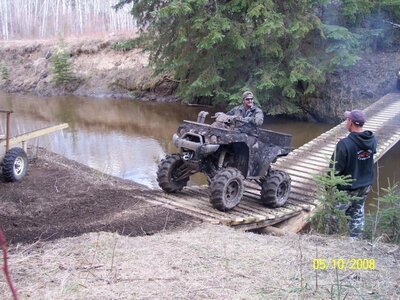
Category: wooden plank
[243,207]
[281,210]
[302,204]
[183,210]
[301,186]
[192,205]
[309,151]
[307,181]
[387,114]
[327,152]
[325,157]
[312,159]
[312,162]
[300,164]
[242,211]
[301,194]
[317,145]
[393,142]
[296,223]
[256,209]
[34,134]
[300,169]
[298,198]
[308,188]
[254,226]
[377,120]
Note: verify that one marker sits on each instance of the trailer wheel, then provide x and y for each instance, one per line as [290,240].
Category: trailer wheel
[167,174]
[226,189]
[275,188]
[15,164]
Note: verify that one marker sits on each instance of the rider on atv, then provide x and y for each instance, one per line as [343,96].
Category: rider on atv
[249,115]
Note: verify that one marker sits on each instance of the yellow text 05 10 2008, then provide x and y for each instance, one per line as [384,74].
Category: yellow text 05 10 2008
[344,263]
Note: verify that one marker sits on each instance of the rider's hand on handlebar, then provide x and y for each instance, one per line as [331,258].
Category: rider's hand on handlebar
[217,114]
[243,119]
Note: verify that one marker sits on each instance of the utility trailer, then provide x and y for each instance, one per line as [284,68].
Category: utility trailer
[13,157]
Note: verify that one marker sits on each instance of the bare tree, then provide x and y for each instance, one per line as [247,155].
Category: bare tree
[49,18]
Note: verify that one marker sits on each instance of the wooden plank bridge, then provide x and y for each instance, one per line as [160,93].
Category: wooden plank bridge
[302,164]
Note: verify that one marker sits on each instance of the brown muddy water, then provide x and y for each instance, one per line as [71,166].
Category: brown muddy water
[128,138]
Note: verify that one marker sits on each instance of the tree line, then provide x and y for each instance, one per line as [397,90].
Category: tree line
[55,18]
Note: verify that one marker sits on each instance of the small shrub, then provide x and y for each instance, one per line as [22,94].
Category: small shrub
[61,67]
[328,218]
[386,221]
[125,45]
[4,71]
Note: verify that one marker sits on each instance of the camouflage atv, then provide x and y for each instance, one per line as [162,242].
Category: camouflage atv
[227,151]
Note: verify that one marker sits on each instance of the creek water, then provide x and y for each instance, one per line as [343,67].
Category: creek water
[127,138]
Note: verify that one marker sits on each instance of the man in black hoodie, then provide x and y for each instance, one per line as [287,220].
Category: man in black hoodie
[354,155]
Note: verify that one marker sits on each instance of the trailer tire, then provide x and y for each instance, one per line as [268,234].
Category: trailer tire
[15,164]
[275,188]
[227,188]
[165,174]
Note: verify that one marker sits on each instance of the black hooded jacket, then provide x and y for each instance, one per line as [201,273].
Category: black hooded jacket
[355,157]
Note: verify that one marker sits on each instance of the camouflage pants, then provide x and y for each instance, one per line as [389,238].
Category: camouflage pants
[355,210]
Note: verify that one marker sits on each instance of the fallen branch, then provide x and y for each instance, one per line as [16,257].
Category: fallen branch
[6,271]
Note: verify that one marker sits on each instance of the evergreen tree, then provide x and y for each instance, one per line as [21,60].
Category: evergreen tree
[328,218]
[4,71]
[279,49]
[61,67]
[385,221]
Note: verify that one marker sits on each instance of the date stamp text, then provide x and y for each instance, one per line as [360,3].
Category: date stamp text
[344,263]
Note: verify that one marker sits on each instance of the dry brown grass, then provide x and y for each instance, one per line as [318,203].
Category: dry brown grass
[208,262]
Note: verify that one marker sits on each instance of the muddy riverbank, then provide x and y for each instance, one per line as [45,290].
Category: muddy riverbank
[61,198]
[102,71]
[99,70]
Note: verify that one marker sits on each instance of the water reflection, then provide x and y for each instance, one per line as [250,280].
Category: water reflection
[124,138]
[127,138]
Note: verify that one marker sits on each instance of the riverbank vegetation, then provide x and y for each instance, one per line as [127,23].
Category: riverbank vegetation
[312,60]
[4,71]
[61,67]
[282,50]
[384,223]
[381,224]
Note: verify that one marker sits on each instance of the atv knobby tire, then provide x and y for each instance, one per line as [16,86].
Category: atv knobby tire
[275,188]
[15,164]
[226,189]
[166,174]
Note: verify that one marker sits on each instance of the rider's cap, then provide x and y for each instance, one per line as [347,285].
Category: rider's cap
[358,117]
[247,94]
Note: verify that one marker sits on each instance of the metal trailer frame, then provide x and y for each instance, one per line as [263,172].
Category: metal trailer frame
[8,143]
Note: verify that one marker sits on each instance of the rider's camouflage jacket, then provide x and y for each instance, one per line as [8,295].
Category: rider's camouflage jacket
[253,115]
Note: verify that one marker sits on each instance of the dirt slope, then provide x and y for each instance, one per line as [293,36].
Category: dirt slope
[58,208]
[100,71]
[61,198]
